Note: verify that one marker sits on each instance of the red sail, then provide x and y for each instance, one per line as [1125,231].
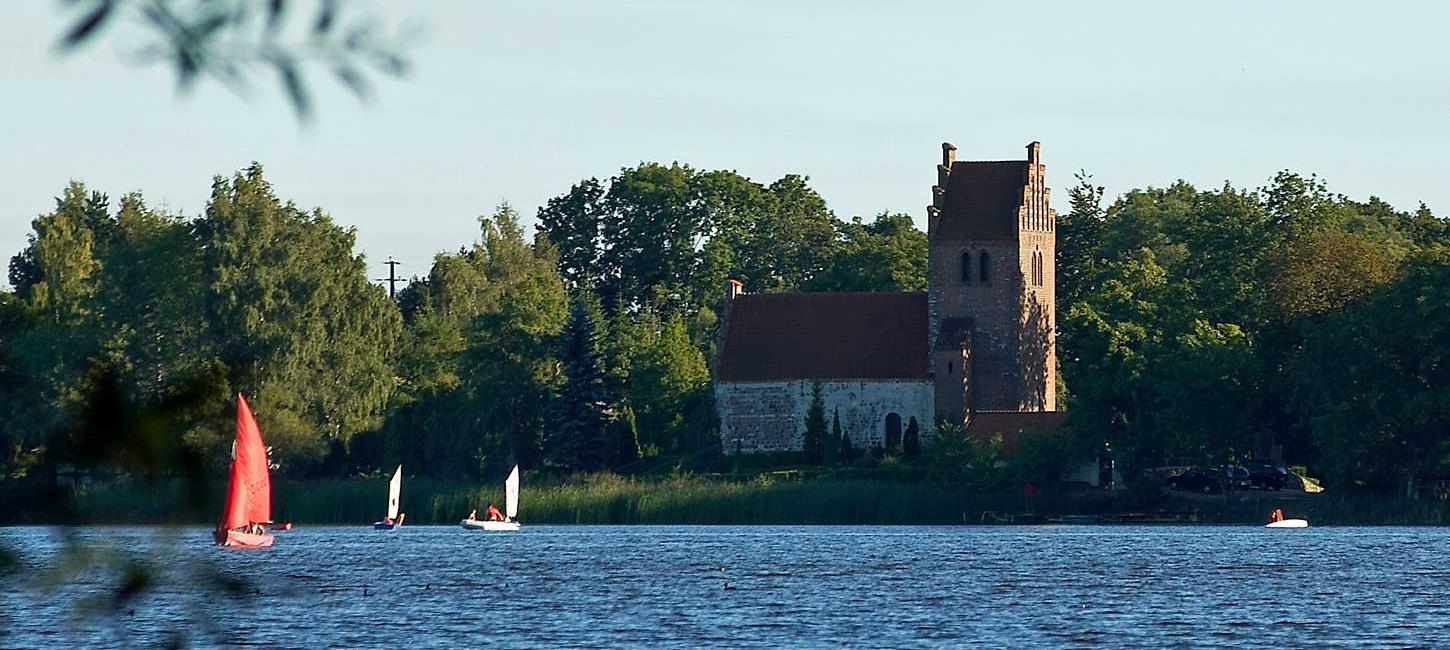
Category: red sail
[249,494]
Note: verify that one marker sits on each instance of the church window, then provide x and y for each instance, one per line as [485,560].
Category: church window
[984,273]
[966,268]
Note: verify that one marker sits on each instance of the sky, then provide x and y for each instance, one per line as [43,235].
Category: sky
[518,100]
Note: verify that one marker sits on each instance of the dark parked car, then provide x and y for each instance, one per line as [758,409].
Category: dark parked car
[1267,477]
[1195,480]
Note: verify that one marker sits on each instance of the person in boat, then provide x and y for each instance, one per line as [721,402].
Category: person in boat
[494,514]
[1276,516]
[473,515]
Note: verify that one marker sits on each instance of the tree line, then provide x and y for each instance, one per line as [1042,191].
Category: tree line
[1210,326]
[582,346]
[1195,327]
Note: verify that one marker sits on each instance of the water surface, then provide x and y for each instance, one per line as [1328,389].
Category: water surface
[808,586]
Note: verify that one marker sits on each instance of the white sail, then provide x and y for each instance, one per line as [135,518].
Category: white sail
[395,489]
[511,494]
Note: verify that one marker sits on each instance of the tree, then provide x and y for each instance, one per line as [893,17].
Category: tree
[293,318]
[911,441]
[843,439]
[814,442]
[831,446]
[1325,271]
[579,438]
[1079,236]
[1372,383]
[889,254]
[575,222]
[667,385]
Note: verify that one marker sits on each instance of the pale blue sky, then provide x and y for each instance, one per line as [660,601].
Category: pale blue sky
[518,100]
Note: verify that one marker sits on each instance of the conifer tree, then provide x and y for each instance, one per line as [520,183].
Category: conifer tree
[579,439]
[911,441]
[814,444]
[833,441]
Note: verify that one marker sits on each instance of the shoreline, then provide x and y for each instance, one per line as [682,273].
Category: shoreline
[723,501]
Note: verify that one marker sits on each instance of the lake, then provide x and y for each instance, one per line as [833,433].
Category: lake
[806,586]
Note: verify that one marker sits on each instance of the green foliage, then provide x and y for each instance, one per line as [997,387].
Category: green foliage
[1195,327]
[814,441]
[293,318]
[889,254]
[1189,319]
[579,429]
[956,459]
[911,440]
[1374,382]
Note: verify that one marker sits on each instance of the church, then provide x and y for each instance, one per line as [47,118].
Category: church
[977,348]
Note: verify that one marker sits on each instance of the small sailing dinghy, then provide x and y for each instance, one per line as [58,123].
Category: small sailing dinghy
[1278,520]
[511,509]
[1288,523]
[395,489]
[249,490]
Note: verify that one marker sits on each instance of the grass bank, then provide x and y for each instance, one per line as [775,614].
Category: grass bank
[772,498]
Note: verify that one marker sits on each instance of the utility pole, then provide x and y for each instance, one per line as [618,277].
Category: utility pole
[392,278]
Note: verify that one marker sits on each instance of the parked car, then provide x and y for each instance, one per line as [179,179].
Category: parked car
[1195,480]
[1237,476]
[1267,477]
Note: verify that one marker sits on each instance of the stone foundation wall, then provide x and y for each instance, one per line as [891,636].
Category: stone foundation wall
[770,416]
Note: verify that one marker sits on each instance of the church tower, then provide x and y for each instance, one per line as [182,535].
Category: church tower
[990,286]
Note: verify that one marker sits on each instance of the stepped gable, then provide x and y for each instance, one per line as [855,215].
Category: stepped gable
[982,199]
[825,337]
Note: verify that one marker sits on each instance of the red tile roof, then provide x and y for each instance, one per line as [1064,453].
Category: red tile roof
[1012,424]
[982,199]
[825,336]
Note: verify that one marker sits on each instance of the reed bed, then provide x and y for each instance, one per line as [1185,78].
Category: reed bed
[773,498]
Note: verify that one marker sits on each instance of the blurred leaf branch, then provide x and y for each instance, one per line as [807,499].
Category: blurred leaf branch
[235,41]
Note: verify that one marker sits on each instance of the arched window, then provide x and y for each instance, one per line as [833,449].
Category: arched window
[966,268]
[1036,268]
[984,271]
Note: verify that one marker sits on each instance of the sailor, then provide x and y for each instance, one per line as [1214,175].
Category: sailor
[494,514]
[1276,516]
[473,515]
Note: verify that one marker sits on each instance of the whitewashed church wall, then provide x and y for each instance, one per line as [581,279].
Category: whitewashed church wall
[770,416]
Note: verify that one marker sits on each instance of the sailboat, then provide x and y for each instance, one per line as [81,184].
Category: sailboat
[395,488]
[249,490]
[511,509]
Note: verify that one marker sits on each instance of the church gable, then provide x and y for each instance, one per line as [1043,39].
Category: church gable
[825,336]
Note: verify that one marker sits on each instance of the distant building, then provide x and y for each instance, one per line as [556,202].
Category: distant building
[979,340]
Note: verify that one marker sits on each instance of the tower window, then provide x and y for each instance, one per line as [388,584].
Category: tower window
[966,268]
[984,272]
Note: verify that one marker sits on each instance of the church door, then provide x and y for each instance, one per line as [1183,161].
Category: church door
[893,431]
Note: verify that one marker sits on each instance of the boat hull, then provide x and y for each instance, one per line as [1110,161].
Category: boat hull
[490,526]
[238,539]
[381,525]
[1289,523]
